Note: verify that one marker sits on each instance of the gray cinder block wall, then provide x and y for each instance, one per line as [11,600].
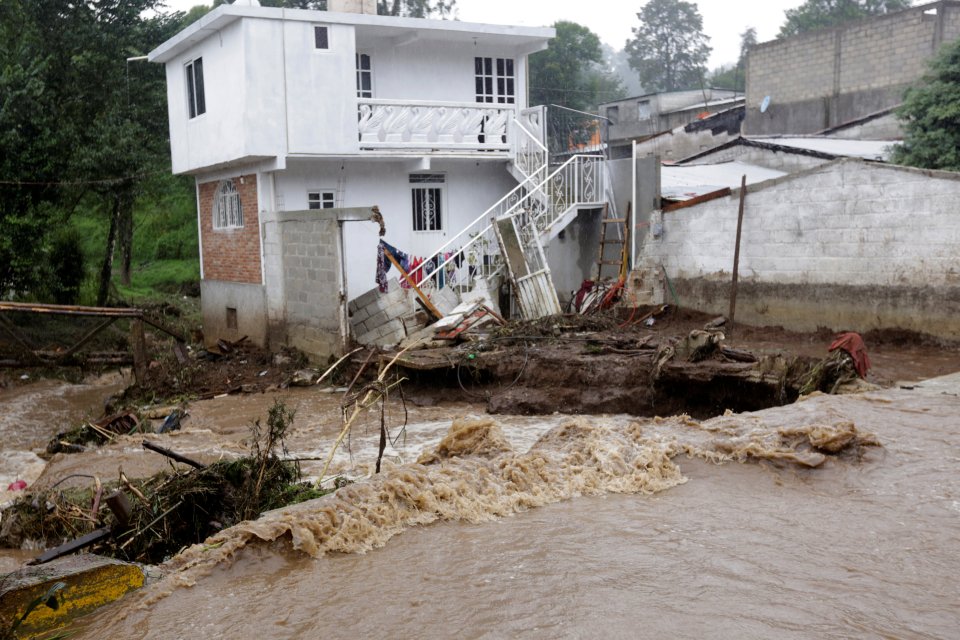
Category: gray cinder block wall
[302,268]
[848,245]
[824,78]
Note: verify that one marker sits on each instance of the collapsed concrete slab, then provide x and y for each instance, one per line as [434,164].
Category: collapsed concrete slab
[89,582]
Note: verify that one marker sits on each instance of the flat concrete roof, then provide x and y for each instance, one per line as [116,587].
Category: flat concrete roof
[530,38]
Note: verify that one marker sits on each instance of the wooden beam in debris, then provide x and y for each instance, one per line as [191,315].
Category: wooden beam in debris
[413,285]
[102,312]
[72,546]
[706,197]
[72,310]
[173,455]
[90,335]
[18,338]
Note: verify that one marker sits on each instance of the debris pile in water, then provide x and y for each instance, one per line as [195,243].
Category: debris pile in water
[170,510]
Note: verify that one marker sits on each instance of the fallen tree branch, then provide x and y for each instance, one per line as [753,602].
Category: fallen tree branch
[357,408]
[173,455]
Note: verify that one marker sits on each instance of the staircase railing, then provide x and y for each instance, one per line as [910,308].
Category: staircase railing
[538,202]
[531,154]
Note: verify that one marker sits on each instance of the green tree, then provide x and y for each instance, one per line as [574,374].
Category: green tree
[71,121]
[931,116]
[820,14]
[571,72]
[735,76]
[669,50]
[417,8]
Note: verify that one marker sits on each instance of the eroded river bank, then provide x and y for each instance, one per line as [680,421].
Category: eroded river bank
[560,526]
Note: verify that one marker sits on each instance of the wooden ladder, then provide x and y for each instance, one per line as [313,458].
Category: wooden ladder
[620,239]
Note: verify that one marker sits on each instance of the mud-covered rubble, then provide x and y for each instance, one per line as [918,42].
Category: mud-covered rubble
[604,363]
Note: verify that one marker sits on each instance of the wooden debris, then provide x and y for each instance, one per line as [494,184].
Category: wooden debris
[173,455]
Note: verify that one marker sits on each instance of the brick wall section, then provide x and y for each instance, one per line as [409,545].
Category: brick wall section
[231,255]
[864,228]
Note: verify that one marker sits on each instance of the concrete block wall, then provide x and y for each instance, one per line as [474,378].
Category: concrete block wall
[311,281]
[384,319]
[377,318]
[846,245]
[826,77]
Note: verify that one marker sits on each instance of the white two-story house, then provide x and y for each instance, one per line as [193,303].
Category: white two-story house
[280,111]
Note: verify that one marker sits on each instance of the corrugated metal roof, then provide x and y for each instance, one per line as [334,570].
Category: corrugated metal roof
[866,149]
[683,182]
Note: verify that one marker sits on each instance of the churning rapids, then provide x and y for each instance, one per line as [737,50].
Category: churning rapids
[835,517]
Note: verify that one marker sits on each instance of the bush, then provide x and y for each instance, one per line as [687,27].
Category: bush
[67,263]
[169,247]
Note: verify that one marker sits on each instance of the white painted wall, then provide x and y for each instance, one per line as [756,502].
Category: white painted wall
[271,93]
[432,70]
[321,89]
[471,187]
[217,135]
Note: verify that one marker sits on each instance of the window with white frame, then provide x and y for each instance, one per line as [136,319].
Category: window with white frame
[196,97]
[321,37]
[227,209]
[494,80]
[427,194]
[364,76]
[321,199]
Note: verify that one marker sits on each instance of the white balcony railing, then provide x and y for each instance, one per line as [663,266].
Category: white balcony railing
[418,125]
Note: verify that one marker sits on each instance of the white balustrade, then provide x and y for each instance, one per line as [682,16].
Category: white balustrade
[398,124]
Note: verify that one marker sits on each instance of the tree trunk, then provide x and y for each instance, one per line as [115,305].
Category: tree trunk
[106,271]
[125,227]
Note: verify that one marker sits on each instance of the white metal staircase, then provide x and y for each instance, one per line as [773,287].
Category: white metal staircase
[539,207]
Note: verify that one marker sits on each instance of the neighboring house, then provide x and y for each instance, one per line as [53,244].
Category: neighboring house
[820,79]
[278,113]
[640,117]
[704,133]
[848,245]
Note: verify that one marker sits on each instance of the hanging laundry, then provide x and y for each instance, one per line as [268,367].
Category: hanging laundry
[383,264]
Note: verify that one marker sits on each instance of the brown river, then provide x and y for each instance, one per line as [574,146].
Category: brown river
[562,527]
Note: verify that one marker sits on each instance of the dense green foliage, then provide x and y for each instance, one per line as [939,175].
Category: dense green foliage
[571,71]
[931,116]
[669,49]
[78,123]
[820,14]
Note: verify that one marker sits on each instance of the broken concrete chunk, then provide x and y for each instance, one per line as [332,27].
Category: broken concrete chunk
[304,378]
[89,582]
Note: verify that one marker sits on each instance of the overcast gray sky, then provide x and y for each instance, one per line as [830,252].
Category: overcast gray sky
[612,20]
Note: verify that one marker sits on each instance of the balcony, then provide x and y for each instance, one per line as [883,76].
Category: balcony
[464,127]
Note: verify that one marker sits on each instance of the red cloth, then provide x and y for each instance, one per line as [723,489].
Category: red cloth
[585,287]
[852,343]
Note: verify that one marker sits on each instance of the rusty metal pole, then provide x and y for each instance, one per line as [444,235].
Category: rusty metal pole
[736,256]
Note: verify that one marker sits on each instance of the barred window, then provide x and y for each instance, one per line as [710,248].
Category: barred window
[427,201]
[227,209]
[320,199]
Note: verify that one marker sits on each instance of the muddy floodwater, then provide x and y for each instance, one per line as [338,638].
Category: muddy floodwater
[600,526]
